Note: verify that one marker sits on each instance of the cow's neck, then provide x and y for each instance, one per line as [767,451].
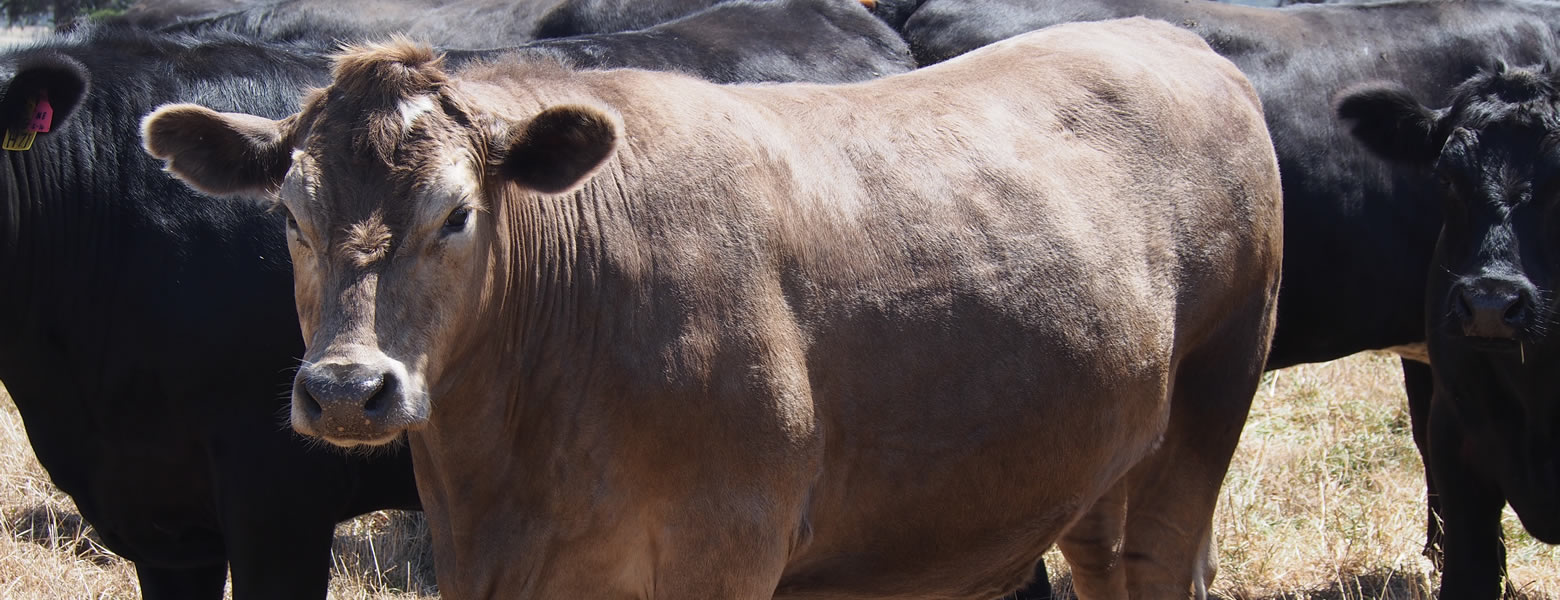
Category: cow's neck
[62,243]
[527,416]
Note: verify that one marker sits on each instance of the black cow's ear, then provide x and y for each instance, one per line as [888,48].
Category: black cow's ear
[1391,123]
[218,153]
[559,149]
[44,83]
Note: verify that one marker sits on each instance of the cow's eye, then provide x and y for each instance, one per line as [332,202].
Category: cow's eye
[296,233]
[456,222]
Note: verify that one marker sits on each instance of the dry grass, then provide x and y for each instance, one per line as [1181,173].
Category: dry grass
[1324,502]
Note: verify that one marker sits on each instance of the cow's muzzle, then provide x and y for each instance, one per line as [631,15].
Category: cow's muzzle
[349,404]
[1493,308]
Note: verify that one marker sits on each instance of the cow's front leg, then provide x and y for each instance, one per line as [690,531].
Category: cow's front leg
[1471,503]
[199,583]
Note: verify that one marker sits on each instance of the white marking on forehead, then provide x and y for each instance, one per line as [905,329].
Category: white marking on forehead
[411,108]
[457,176]
[298,182]
[454,183]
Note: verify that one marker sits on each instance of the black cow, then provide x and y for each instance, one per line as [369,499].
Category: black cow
[149,333]
[580,17]
[452,23]
[826,41]
[1494,431]
[1357,244]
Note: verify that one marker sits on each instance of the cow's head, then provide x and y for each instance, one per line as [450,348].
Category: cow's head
[388,180]
[1492,289]
[1496,152]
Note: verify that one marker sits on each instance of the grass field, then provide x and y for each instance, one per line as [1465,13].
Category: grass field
[1323,501]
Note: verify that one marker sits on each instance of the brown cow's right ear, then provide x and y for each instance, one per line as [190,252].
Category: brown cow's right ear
[1387,119]
[217,153]
[559,149]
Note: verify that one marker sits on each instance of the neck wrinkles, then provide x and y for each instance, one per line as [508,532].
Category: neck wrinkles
[62,220]
[537,324]
[521,396]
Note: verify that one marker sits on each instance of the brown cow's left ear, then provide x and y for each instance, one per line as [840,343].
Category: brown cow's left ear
[559,149]
[218,153]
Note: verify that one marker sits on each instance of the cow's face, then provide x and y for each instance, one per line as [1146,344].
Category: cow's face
[1495,154]
[388,181]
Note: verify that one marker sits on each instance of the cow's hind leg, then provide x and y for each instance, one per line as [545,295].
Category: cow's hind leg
[1092,546]
[1171,494]
[199,583]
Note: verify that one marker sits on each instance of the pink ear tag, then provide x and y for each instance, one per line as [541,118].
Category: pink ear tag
[42,115]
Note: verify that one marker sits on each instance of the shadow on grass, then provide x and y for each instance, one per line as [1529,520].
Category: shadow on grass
[386,551]
[59,531]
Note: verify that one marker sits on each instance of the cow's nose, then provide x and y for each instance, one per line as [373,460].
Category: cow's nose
[1492,310]
[342,394]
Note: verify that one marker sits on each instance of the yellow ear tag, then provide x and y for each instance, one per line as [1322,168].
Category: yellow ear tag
[18,142]
[24,140]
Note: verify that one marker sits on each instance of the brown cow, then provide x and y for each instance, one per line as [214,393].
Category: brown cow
[658,337]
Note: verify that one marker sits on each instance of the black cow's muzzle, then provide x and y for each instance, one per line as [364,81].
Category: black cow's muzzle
[1493,308]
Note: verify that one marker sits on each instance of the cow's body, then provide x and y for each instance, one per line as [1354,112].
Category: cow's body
[113,272]
[485,24]
[785,340]
[824,41]
[148,332]
[453,23]
[1494,428]
[1359,243]
[578,17]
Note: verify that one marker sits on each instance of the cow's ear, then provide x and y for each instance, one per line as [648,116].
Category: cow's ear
[46,89]
[1391,123]
[218,153]
[559,149]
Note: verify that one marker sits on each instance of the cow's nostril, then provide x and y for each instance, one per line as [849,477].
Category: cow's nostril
[1517,313]
[305,400]
[1463,306]
[379,400]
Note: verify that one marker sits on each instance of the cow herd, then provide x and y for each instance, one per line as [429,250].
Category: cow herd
[767,298]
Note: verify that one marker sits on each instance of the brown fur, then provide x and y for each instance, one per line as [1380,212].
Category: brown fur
[367,241]
[891,339]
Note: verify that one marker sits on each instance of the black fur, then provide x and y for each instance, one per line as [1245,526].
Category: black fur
[1386,118]
[824,41]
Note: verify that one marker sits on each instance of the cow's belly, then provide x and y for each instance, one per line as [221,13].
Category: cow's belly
[957,493]
[147,495]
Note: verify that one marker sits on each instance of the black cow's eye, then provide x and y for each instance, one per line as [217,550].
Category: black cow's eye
[457,220]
